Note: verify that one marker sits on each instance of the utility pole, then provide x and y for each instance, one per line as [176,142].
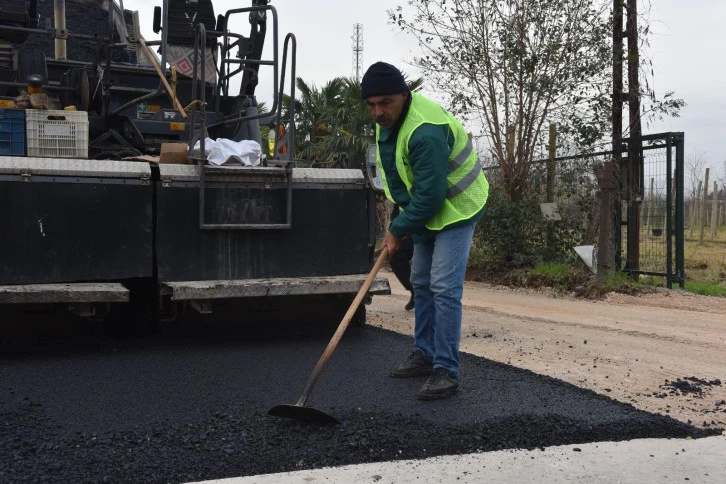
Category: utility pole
[609,233]
[357,51]
[635,147]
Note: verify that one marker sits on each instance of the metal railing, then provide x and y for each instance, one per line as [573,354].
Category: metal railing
[275,171]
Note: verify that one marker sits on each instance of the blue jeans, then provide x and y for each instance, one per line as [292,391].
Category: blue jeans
[437,275]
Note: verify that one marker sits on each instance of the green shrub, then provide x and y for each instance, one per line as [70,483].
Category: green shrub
[516,233]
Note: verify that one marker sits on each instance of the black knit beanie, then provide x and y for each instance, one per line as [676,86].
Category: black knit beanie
[382,79]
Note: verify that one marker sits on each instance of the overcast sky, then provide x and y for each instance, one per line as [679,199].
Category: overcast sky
[687,49]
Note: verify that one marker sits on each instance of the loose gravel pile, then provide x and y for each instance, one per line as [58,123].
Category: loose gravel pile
[690,385]
[185,406]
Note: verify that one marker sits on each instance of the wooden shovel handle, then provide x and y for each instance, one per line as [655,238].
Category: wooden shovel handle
[155,63]
[341,328]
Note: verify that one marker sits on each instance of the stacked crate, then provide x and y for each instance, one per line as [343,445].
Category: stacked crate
[12,132]
[56,133]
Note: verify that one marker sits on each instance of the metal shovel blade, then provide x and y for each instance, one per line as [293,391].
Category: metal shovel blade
[298,412]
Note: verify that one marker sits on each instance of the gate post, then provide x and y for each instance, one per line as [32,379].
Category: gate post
[606,237]
[680,228]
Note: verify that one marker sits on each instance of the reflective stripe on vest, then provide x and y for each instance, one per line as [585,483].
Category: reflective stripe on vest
[461,157]
[470,177]
[465,182]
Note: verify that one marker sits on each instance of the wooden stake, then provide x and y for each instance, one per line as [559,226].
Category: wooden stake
[704,210]
[694,208]
[714,211]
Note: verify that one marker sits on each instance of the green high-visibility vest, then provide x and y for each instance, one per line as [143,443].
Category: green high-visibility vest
[468,188]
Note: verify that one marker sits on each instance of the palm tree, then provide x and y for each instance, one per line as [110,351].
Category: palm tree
[312,110]
[354,129]
[333,120]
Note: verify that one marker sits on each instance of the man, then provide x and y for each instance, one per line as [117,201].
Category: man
[430,170]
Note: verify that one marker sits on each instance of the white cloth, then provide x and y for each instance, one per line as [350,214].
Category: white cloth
[227,152]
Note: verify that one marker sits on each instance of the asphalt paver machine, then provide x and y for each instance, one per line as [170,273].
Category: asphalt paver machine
[107,227]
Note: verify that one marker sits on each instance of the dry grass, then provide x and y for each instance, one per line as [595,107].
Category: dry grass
[706,262]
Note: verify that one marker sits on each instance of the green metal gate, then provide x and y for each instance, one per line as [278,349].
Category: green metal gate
[652,198]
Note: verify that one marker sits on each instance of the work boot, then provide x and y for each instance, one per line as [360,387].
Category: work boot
[410,304]
[415,365]
[439,385]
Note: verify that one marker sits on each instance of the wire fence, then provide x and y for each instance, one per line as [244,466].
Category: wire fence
[657,197]
[655,211]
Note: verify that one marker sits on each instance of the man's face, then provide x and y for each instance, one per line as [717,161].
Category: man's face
[385,110]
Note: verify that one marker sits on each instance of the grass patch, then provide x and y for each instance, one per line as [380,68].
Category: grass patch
[705,269]
[555,270]
[562,277]
[568,278]
[618,281]
[706,264]
[653,281]
[706,288]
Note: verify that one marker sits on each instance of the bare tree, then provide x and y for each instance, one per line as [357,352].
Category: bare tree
[514,66]
[511,65]
[696,163]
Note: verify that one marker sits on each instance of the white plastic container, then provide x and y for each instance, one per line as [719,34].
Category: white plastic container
[56,134]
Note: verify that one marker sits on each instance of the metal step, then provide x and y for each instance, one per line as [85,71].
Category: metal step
[297,286]
[95,292]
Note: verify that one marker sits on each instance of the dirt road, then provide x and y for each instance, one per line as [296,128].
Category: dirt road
[664,352]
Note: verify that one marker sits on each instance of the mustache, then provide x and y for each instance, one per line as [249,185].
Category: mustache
[381,118]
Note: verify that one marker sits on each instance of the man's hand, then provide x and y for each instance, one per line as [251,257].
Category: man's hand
[391,242]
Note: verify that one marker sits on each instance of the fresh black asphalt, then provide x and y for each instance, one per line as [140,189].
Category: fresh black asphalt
[190,403]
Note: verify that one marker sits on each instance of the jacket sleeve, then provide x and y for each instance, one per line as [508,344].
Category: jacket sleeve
[429,148]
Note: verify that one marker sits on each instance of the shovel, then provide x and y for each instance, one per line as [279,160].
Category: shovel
[299,411]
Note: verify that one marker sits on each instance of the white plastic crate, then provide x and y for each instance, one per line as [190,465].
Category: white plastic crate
[56,134]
